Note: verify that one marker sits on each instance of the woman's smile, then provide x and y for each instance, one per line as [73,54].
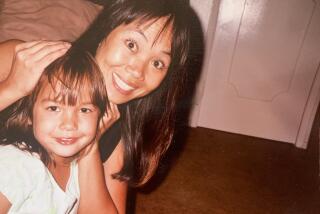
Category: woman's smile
[122,86]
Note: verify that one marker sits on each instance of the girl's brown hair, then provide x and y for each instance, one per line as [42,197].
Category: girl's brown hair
[75,73]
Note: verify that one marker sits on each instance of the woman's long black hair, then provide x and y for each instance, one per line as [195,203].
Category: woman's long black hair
[147,123]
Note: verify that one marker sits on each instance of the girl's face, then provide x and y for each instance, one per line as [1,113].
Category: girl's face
[134,59]
[64,130]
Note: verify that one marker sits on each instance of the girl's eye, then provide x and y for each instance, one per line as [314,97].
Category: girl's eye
[85,110]
[53,108]
[158,64]
[132,45]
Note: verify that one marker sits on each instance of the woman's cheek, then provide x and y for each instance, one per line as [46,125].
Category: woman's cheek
[120,54]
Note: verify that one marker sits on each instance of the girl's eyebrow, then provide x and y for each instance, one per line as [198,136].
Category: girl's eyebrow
[57,101]
[50,100]
[86,103]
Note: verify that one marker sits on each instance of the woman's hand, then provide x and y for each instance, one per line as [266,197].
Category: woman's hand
[30,59]
[111,115]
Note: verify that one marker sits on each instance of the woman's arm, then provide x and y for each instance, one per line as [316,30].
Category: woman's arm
[21,64]
[117,189]
[99,192]
[94,195]
[6,58]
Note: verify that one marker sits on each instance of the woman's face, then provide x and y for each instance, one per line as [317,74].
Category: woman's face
[134,59]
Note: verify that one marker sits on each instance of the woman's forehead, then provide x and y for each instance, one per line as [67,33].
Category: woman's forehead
[156,29]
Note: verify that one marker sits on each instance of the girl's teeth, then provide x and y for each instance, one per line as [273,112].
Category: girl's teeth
[124,86]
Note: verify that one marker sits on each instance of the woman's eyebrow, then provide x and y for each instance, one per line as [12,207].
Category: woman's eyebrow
[141,33]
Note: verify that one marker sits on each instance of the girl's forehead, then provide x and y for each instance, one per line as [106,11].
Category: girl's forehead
[58,92]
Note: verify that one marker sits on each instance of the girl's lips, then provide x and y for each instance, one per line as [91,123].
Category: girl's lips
[66,141]
[120,85]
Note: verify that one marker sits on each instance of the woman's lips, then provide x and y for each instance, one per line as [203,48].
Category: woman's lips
[120,85]
[66,141]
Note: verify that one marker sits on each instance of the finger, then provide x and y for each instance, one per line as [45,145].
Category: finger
[107,115]
[25,45]
[114,110]
[38,49]
[50,57]
[37,54]
[103,124]
[109,108]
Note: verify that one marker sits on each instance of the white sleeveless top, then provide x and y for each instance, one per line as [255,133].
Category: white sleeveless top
[29,186]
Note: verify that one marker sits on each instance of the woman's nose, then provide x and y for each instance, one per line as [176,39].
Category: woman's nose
[68,121]
[136,67]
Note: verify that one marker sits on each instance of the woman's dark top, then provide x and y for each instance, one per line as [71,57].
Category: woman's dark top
[109,141]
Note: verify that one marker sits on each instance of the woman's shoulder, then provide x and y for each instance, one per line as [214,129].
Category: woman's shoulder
[110,141]
[116,160]
[6,55]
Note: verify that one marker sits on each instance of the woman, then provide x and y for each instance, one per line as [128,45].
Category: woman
[141,47]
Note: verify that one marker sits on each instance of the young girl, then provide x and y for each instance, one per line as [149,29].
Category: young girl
[141,47]
[48,133]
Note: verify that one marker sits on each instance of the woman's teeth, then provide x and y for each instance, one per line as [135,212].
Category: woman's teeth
[122,85]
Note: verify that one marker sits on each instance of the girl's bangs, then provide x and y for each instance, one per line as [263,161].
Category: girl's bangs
[69,88]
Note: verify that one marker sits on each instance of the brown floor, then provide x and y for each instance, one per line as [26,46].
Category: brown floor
[218,172]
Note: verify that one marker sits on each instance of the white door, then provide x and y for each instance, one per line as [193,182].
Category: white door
[261,79]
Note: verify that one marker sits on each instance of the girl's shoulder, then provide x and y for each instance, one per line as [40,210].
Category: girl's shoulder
[21,172]
[14,154]
[15,161]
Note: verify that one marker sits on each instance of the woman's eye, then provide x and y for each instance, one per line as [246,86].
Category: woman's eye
[132,45]
[158,64]
[85,110]
[53,108]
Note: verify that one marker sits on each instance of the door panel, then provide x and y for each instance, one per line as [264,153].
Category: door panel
[262,66]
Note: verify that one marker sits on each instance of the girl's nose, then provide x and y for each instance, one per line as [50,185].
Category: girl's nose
[69,121]
[136,67]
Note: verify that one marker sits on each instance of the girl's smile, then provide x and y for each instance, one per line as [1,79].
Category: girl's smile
[66,141]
